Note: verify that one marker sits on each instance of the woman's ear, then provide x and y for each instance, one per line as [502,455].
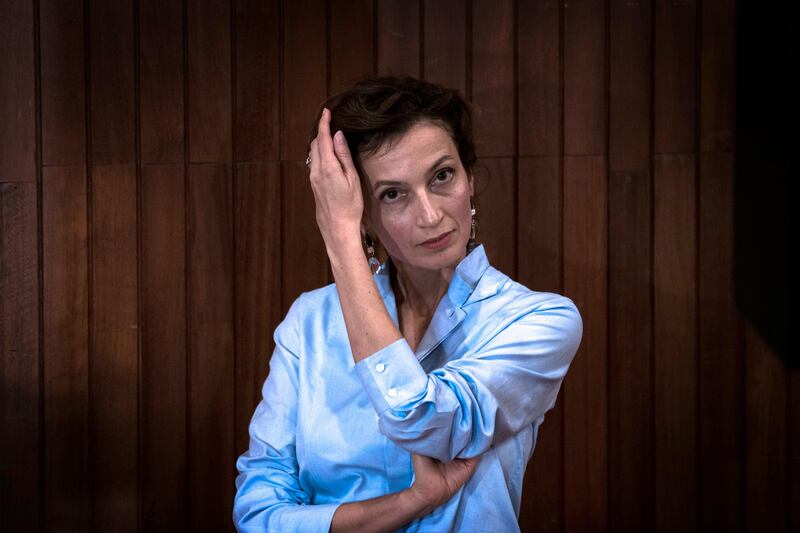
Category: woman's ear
[471,184]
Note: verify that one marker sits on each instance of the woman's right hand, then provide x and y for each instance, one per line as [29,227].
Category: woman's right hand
[436,482]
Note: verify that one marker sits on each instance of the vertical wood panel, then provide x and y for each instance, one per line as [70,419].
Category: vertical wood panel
[17,92]
[765,426]
[304,74]
[20,469]
[161,81]
[257,69]
[585,91]
[717,79]
[304,267]
[539,86]
[66,350]
[114,370]
[351,42]
[445,43]
[163,381]
[631,395]
[675,79]
[493,78]
[398,37]
[111,73]
[793,405]
[586,499]
[62,73]
[211,349]
[497,225]
[675,354]
[258,284]
[539,267]
[209,79]
[721,365]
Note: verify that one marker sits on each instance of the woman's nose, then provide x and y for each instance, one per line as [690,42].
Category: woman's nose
[429,213]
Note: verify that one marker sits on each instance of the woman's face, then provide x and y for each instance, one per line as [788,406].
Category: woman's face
[418,190]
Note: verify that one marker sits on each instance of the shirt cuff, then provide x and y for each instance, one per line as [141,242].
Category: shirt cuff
[392,376]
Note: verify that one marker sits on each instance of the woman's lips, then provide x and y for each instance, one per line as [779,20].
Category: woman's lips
[439,242]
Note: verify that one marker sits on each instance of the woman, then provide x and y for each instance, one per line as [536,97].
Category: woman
[407,397]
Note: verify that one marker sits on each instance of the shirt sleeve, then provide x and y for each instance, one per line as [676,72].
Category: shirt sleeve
[484,397]
[268,493]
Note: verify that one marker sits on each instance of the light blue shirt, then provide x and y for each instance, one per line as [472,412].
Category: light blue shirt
[329,431]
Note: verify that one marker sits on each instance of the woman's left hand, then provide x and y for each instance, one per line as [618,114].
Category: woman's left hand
[336,185]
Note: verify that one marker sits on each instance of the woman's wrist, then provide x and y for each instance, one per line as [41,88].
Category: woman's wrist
[381,514]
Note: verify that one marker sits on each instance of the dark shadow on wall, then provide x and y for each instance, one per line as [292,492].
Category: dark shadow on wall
[765,140]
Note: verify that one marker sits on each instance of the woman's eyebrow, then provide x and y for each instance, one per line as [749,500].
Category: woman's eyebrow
[438,162]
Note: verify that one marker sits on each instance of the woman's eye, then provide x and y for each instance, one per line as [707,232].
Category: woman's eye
[444,175]
[390,195]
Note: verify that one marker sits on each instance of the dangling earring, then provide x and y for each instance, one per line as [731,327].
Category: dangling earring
[473,231]
[374,264]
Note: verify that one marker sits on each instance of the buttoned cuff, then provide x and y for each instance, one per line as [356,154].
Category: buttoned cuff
[392,376]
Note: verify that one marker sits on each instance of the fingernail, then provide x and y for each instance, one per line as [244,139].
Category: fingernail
[339,137]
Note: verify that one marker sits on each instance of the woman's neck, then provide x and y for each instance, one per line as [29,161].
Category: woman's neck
[419,290]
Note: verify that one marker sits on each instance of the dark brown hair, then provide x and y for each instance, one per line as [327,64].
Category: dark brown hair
[376,111]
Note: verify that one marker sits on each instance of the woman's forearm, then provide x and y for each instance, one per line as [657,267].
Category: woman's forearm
[369,326]
[381,514]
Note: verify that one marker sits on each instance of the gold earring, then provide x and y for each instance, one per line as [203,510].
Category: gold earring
[473,230]
[374,264]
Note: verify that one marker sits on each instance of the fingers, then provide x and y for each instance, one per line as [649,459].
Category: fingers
[325,141]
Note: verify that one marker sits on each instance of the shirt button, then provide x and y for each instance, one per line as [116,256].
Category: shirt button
[380,367]
[392,392]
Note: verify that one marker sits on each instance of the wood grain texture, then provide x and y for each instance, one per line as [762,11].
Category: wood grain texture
[765,427]
[17,92]
[111,75]
[209,80]
[675,342]
[721,446]
[65,266]
[497,225]
[585,394]
[20,344]
[445,43]
[674,77]
[63,82]
[350,44]
[717,78]
[114,369]
[398,38]
[539,267]
[258,284]
[211,353]
[493,78]
[540,77]
[161,86]
[163,383]
[304,74]
[585,86]
[257,88]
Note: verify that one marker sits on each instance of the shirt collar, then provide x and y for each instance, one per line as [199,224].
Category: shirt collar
[469,272]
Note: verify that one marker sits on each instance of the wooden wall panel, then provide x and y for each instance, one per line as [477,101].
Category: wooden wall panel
[21,469]
[161,81]
[66,359]
[256,68]
[675,342]
[257,212]
[111,74]
[539,267]
[17,91]
[208,78]
[585,244]
[350,43]
[164,411]
[114,363]
[398,37]
[63,82]
[153,192]
[630,306]
[444,40]
[210,307]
